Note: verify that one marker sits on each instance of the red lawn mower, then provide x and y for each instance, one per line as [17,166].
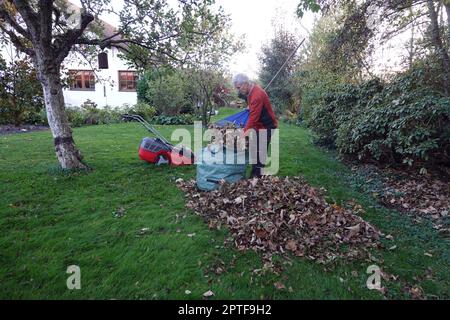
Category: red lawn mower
[158,150]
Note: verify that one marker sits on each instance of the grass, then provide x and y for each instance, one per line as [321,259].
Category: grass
[50,219]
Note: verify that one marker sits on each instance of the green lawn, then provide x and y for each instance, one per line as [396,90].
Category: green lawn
[50,219]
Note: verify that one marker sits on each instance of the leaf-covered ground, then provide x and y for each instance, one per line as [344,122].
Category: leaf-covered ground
[420,195]
[126,226]
[274,215]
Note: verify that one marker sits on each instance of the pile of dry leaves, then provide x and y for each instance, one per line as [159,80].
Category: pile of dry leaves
[277,215]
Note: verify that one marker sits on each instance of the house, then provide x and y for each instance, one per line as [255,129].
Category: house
[113,86]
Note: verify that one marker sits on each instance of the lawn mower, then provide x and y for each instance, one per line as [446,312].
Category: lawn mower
[158,150]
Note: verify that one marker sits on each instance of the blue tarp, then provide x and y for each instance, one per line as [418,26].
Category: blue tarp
[239,119]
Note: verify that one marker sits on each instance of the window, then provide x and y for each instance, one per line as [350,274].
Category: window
[127,80]
[82,80]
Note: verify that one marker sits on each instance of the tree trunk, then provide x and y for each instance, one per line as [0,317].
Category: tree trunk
[437,42]
[68,155]
[447,8]
[411,42]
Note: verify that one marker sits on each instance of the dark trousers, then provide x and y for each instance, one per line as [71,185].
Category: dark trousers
[261,154]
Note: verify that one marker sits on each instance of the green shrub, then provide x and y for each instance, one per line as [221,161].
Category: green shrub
[42,118]
[168,93]
[21,97]
[89,114]
[292,120]
[407,129]
[143,109]
[339,106]
[401,122]
[75,116]
[183,119]
[109,115]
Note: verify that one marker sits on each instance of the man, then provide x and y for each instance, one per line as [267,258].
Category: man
[261,117]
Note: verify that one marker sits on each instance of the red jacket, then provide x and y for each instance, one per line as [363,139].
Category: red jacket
[261,112]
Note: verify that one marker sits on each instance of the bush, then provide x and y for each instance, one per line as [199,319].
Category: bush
[21,98]
[41,118]
[143,109]
[75,116]
[89,114]
[408,129]
[109,115]
[339,106]
[166,91]
[183,119]
[401,122]
[291,119]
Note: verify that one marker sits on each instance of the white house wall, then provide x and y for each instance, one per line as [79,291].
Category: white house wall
[107,82]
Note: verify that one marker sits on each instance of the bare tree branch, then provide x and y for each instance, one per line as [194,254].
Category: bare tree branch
[4,14]
[116,43]
[18,42]
[67,40]
[28,16]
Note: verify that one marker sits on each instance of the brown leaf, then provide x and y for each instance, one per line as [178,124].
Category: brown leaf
[354,230]
[279,286]
[416,293]
[291,245]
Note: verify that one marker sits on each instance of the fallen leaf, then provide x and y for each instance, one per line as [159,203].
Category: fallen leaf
[208,294]
[416,293]
[291,245]
[279,286]
[353,230]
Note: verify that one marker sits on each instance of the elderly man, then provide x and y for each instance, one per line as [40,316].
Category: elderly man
[261,117]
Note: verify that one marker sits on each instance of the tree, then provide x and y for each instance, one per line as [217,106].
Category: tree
[42,30]
[272,58]
[205,68]
[167,93]
[20,92]
[436,39]
[202,85]
[388,18]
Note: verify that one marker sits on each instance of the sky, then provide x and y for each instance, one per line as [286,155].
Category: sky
[252,18]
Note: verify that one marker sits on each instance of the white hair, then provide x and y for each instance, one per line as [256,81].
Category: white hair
[240,78]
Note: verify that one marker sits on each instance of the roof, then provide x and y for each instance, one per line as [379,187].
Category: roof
[108,29]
